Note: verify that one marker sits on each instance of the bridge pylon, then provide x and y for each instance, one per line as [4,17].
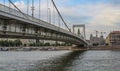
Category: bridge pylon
[80,26]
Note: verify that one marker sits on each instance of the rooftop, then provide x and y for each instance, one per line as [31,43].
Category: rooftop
[115,32]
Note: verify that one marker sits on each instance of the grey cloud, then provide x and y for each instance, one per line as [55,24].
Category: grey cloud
[115,2]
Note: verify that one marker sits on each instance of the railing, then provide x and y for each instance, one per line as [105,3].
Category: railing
[19,14]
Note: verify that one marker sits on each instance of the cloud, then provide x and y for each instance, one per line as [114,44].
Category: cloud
[97,14]
[115,2]
[23,7]
[107,16]
[20,4]
[101,17]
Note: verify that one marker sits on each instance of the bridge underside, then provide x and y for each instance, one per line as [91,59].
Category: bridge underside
[18,35]
[14,25]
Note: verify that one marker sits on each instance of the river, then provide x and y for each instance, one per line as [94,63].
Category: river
[60,61]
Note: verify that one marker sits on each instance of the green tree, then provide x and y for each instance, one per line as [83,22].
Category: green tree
[78,32]
[47,44]
[11,43]
[17,42]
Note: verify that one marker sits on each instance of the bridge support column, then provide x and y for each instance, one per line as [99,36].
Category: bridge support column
[36,34]
[36,31]
[5,25]
[51,34]
[37,40]
[24,30]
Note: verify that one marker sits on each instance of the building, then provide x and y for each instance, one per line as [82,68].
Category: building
[113,38]
[95,40]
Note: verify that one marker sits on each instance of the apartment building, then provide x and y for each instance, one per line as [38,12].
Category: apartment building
[113,38]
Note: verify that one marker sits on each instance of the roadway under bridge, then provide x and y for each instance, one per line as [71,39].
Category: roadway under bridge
[14,24]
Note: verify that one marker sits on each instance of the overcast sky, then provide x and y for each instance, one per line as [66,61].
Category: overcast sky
[100,15]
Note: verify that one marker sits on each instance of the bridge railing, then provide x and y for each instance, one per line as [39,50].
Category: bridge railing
[17,13]
[10,10]
[23,15]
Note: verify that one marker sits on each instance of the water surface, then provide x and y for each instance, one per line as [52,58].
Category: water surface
[60,61]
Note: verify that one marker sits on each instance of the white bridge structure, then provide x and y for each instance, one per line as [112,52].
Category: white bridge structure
[14,24]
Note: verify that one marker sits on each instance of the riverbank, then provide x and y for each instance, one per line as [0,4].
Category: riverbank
[59,48]
[105,48]
[42,48]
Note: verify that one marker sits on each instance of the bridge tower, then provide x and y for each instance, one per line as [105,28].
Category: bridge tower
[80,26]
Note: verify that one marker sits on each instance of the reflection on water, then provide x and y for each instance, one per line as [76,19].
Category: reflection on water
[24,61]
[56,64]
[60,61]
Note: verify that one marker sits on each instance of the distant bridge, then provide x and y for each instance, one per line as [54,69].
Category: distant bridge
[14,24]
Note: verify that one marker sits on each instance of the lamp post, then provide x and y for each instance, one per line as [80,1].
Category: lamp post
[49,11]
[39,9]
[32,8]
[4,4]
[58,20]
[27,6]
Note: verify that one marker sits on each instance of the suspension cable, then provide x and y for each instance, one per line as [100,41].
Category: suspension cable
[17,8]
[60,15]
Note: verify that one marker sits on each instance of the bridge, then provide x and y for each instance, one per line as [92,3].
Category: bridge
[16,24]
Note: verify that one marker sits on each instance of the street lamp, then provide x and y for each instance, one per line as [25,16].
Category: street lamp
[49,11]
[27,6]
[39,9]
[32,8]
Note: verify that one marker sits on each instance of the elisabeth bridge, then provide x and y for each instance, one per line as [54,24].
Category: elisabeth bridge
[16,24]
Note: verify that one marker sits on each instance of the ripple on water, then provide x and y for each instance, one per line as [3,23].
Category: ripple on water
[60,61]
[20,61]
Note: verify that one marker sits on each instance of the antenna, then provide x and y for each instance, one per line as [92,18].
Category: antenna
[103,33]
[96,33]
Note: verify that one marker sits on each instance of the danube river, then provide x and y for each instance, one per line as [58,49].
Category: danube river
[60,61]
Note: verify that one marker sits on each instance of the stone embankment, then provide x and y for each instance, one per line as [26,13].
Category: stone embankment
[105,48]
[58,48]
[42,48]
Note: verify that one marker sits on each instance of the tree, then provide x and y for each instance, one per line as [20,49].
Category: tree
[78,32]
[17,42]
